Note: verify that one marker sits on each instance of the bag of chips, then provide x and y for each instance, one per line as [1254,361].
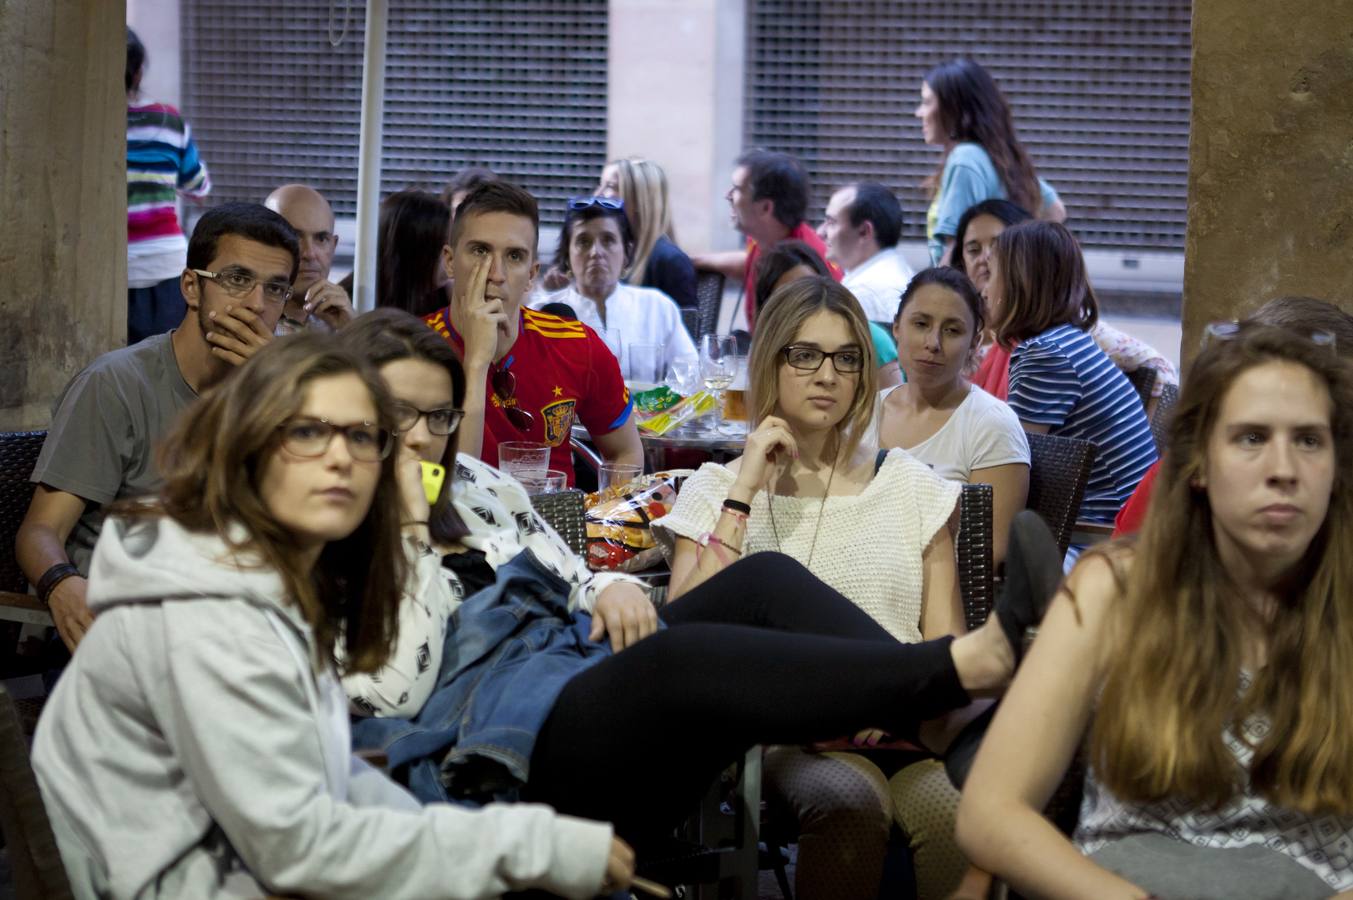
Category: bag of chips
[619,532]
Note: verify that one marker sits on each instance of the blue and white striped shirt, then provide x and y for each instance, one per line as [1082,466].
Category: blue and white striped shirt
[1061,379]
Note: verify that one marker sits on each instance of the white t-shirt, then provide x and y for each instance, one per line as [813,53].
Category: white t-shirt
[982,432]
[642,315]
[878,283]
[868,546]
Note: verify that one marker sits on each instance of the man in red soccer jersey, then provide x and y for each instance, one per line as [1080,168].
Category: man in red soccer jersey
[529,374]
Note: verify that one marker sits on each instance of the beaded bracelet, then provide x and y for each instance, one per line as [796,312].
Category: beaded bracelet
[709,541]
[738,515]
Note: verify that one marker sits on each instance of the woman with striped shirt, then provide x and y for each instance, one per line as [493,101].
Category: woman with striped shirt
[1060,381]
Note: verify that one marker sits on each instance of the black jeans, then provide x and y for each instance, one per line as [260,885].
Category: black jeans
[762,653]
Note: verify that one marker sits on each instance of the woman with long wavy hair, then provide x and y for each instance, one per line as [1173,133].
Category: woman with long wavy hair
[963,112]
[198,744]
[1209,660]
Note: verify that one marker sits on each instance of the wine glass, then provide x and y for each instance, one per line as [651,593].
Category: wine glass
[718,368]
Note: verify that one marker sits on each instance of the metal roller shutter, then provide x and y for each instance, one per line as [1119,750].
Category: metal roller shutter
[515,85]
[1100,92]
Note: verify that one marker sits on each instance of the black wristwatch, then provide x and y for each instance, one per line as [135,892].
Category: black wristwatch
[52,577]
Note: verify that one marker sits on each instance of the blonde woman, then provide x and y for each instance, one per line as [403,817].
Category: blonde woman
[1208,661]
[810,487]
[658,262]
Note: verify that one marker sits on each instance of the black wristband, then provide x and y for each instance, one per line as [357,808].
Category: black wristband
[738,506]
[52,577]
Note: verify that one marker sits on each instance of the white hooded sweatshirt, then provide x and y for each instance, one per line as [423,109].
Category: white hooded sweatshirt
[192,749]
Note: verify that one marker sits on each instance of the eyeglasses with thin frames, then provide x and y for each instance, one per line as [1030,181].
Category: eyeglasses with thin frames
[441,421]
[310,438]
[240,284]
[849,361]
[505,388]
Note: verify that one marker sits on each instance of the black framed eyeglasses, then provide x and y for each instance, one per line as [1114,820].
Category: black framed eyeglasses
[579,203]
[309,438]
[240,284]
[809,359]
[440,421]
[505,388]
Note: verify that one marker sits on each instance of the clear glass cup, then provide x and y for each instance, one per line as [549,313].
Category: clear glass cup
[524,460]
[719,363]
[553,482]
[647,365]
[613,476]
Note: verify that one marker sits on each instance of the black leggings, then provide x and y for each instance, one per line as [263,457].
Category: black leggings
[762,653]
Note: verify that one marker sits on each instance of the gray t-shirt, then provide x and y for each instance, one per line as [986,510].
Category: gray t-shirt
[101,443]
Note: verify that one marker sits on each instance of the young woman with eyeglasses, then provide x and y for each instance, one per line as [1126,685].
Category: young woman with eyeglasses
[1207,660]
[198,744]
[809,485]
[520,673]
[596,247]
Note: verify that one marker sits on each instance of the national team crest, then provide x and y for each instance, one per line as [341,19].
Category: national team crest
[558,421]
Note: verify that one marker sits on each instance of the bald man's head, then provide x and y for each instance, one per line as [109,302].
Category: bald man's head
[310,214]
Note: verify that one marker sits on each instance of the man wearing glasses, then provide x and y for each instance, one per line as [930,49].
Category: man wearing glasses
[316,302]
[529,375]
[242,260]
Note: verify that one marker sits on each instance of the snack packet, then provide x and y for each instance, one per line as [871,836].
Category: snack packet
[619,536]
[698,404]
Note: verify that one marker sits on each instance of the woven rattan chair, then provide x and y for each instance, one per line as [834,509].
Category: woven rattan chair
[1059,469]
[1161,415]
[34,861]
[1144,379]
[18,454]
[709,299]
[563,510]
[976,571]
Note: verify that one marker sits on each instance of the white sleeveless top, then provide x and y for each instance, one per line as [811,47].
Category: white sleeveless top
[869,545]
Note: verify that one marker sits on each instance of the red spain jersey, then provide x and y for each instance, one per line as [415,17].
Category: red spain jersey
[564,372]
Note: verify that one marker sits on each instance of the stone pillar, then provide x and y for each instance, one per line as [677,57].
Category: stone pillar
[1270,158]
[676,96]
[63,237]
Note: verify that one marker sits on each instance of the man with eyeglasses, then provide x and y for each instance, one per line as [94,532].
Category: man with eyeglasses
[316,302]
[529,375]
[242,260]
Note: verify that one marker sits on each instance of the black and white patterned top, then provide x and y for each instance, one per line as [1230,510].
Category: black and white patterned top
[1322,844]
[502,523]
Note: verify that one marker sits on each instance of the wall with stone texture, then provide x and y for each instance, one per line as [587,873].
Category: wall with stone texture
[1270,158]
[63,234]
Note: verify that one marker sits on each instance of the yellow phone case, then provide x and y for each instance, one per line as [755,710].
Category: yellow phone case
[434,476]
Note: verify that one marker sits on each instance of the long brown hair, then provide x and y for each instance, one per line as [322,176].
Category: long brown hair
[972,108]
[388,335]
[776,326]
[1177,634]
[212,462]
[1043,282]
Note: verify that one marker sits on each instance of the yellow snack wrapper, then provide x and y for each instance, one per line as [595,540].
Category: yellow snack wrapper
[698,404]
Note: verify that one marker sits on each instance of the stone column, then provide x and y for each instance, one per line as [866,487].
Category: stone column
[1270,158]
[676,96]
[63,235]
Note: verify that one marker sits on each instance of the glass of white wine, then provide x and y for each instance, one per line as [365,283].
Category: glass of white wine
[718,367]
